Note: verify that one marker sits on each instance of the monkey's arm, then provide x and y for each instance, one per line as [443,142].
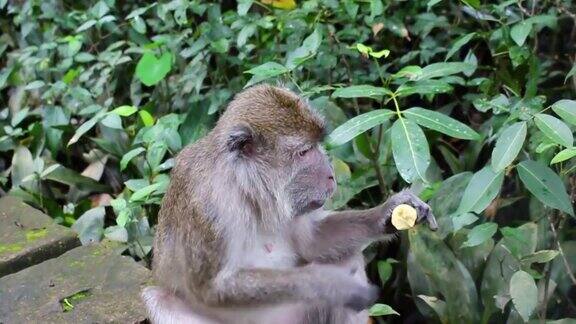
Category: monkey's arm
[342,234]
[311,284]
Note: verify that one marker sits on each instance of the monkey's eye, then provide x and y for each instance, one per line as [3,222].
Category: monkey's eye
[304,151]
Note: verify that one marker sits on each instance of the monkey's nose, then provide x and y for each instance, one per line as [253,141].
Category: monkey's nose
[331,178]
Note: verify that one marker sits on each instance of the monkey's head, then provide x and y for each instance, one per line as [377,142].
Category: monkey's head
[272,138]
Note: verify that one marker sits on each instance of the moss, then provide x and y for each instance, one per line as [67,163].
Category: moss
[68,303]
[8,248]
[34,234]
[77,263]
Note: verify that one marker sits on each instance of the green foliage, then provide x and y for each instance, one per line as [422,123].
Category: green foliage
[471,104]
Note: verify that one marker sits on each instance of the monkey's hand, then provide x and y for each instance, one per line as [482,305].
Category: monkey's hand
[339,286]
[423,211]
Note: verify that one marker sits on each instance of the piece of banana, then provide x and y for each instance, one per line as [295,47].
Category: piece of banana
[404,217]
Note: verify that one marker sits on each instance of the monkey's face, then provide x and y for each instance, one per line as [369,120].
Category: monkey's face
[312,179]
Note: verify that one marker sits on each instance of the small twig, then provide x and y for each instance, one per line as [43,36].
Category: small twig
[562,255]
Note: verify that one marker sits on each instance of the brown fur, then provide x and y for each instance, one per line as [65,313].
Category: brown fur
[231,243]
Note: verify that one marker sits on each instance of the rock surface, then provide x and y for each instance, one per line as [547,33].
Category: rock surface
[89,284]
[28,237]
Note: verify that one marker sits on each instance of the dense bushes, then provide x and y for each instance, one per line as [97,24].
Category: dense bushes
[469,103]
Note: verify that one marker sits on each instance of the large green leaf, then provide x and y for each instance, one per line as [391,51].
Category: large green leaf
[410,150]
[480,234]
[524,294]
[501,265]
[545,184]
[449,277]
[357,125]
[481,190]
[150,70]
[359,91]
[424,87]
[554,129]
[436,70]
[508,145]
[566,109]
[440,122]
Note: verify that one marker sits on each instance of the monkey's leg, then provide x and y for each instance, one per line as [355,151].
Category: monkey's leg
[165,308]
[342,234]
[321,284]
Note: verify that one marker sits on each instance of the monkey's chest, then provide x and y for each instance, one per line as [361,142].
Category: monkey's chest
[266,251]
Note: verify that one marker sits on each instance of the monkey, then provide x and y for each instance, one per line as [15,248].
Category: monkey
[242,235]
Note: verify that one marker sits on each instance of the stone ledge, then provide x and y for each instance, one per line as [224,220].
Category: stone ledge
[28,237]
[89,284]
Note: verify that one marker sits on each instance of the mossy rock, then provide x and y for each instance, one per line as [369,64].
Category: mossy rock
[89,284]
[28,237]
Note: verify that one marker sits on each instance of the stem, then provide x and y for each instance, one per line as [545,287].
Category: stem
[294,81]
[561,251]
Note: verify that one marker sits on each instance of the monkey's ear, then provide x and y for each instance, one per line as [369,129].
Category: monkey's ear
[241,139]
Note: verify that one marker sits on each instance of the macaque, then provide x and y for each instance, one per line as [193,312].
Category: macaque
[242,236]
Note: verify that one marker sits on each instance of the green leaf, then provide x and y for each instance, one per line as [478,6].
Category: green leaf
[462,220]
[146,118]
[357,125]
[244,6]
[73,178]
[564,155]
[524,294]
[143,193]
[363,48]
[411,72]
[151,70]
[428,251]
[268,69]
[129,156]
[382,310]
[86,25]
[125,111]
[459,43]
[410,150]
[90,225]
[542,256]
[480,233]
[570,74]
[554,129]
[566,109]
[265,71]
[360,91]
[440,122]
[545,184]
[86,127]
[34,85]
[520,32]
[442,69]
[384,271]
[424,87]
[306,51]
[508,145]
[381,53]
[481,190]
[112,121]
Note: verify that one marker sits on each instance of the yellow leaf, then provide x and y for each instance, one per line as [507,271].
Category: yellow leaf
[281,4]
